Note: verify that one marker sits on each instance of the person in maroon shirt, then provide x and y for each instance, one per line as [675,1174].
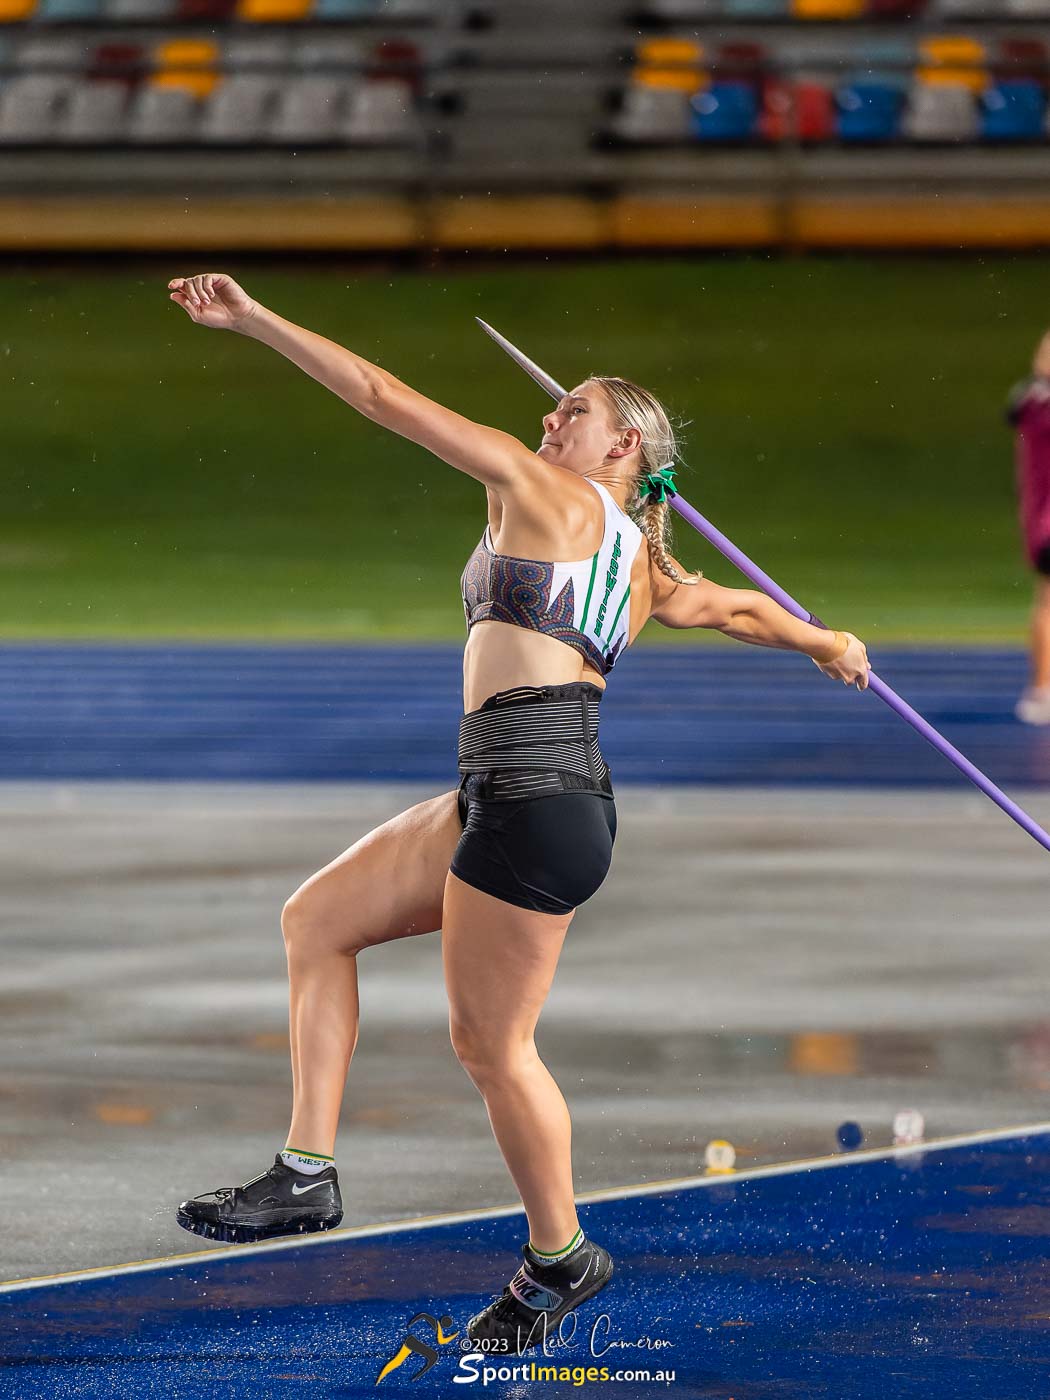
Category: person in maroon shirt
[1029,413]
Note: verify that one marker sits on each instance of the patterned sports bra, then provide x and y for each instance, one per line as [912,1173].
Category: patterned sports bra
[583,603]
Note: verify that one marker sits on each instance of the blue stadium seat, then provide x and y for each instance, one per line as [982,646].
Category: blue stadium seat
[344,9]
[755,9]
[1013,110]
[882,60]
[135,11]
[868,111]
[725,112]
[68,9]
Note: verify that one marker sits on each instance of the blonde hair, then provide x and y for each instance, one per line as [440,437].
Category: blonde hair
[634,407]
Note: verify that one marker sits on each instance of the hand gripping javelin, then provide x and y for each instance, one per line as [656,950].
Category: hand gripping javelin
[763,581]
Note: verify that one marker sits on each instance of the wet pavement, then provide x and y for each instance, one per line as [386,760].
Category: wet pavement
[759,965]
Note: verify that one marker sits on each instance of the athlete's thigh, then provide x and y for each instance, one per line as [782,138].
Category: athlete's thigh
[390,883]
[499,962]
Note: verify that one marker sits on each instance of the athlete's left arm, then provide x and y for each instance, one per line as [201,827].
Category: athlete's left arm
[496,459]
[747,615]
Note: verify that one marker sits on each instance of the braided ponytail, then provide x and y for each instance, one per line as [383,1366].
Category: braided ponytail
[636,408]
[653,525]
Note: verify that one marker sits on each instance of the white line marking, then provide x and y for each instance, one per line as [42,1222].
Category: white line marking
[619,1193]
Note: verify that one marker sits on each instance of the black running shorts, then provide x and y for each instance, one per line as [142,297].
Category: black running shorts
[545,853]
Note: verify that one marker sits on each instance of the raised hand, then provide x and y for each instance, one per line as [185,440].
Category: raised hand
[212,299]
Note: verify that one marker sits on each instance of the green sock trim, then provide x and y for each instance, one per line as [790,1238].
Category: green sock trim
[554,1254]
[321,1156]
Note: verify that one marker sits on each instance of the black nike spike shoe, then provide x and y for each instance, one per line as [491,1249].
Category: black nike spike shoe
[538,1296]
[278,1202]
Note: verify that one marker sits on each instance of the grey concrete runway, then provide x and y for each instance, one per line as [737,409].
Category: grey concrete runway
[759,965]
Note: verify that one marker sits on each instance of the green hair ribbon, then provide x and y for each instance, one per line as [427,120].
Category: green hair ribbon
[658,486]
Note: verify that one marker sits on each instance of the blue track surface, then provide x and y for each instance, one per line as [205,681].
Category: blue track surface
[915,1275]
[705,715]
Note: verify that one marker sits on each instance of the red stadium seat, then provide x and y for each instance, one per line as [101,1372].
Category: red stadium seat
[118,62]
[218,10]
[1021,58]
[804,111]
[397,60]
[895,9]
[740,62]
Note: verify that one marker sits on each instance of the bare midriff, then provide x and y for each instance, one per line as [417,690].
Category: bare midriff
[502,656]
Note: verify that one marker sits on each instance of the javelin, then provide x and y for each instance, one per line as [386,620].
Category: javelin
[756,575]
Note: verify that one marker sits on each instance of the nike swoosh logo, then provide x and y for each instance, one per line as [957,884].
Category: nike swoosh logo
[301,1190]
[585,1272]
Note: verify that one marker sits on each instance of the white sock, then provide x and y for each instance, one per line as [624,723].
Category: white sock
[562,1254]
[307,1163]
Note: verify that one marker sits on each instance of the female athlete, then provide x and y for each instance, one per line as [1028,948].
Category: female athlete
[500,864]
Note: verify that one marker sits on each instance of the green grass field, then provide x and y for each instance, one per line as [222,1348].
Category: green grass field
[846,432]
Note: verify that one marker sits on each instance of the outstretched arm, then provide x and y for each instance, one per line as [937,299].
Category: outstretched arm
[493,457]
[747,615]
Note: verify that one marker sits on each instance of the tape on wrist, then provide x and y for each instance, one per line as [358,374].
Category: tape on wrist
[837,649]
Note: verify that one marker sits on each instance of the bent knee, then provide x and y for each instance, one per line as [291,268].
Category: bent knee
[488,1054]
[309,928]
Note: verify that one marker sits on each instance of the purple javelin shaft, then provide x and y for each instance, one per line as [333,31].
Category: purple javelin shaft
[763,581]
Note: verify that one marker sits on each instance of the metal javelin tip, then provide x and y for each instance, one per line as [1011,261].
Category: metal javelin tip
[542,378]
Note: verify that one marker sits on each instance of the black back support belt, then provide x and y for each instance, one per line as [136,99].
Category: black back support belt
[534,732]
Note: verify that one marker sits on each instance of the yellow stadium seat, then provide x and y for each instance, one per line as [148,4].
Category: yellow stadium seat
[13,10]
[827,9]
[952,59]
[669,63]
[686,80]
[663,53]
[273,11]
[188,64]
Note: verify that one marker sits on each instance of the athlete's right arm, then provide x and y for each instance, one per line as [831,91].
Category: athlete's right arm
[748,615]
[490,456]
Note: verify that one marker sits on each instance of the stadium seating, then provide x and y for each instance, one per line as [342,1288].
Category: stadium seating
[725,112]
[186,65]
[308,110]
[668,64]
[163,115]
[68,10]
[797,111]
[754,9]
[30,107]
[868,111]
[94,113]
[927,88]
[381,114]
[940,112]
[323,73]
[137,11]
[951,60]
[257,74]
[805,11]
[652,115]
[827,9]
[1013,111]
